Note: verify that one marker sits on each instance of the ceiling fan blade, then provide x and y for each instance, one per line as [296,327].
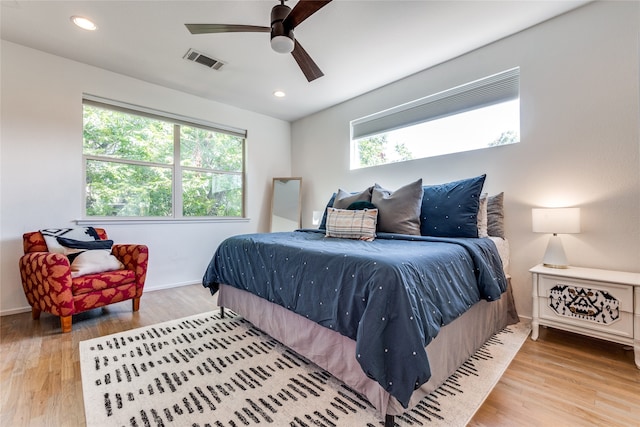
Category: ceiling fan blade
[309,68]
[225,28]
[301,11]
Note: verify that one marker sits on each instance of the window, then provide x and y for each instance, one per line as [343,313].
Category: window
[142,163]
[480,114]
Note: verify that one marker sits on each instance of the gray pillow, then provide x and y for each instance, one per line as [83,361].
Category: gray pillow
[344,199]
[399,211]
[495,215]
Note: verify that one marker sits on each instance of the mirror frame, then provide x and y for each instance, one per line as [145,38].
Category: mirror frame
[273,201]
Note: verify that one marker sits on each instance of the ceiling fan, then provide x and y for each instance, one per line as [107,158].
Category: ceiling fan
[283,21]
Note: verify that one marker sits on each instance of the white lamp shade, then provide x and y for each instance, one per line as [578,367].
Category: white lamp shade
[556,220]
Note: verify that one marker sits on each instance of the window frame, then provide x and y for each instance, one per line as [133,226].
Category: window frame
[484,92]
[176,168]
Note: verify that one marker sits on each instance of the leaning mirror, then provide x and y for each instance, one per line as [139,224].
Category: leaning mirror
[286,204]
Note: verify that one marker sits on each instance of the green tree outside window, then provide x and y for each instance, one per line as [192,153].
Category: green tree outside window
[131,167]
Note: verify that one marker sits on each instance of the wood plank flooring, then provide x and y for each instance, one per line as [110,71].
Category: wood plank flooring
[565,379]
[560,380]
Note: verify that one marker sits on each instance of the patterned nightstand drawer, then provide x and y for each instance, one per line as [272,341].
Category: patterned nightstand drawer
[598,306]
[587,296]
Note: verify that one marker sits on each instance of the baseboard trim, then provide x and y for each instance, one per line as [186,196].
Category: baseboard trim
[27,309]
[170,285]
[11,311]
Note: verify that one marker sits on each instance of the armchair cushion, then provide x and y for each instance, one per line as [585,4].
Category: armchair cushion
[101,281]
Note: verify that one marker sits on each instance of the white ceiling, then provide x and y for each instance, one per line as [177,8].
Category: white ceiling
[359,45]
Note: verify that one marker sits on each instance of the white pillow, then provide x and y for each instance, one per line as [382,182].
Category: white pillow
[94,261]
[482,216]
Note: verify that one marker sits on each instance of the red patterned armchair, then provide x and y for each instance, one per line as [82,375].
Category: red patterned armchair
[50,287]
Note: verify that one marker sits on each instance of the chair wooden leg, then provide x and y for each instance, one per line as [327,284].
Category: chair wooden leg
[136,304]
[35,313]
[65,322]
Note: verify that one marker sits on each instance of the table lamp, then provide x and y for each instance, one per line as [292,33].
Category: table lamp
[555,221]
[317,216]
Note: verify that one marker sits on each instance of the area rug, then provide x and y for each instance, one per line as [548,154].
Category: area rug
[205,370]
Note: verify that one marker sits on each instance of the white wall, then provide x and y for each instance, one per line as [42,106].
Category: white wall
[579,132]
[41,159]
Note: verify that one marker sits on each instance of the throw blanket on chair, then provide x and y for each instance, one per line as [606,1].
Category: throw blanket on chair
[83,234]
[87,253]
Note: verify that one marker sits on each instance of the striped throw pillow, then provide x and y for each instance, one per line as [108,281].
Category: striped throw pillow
[352,224]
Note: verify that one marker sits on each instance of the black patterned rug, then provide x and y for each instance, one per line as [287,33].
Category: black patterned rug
[207,371]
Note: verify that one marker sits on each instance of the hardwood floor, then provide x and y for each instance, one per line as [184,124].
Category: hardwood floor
[560,380]
[40,366]
[565,379]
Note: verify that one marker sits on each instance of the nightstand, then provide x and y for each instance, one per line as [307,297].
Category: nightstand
[603,304]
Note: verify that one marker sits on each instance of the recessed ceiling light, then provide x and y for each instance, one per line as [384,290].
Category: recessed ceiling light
[84,23]
[279,94]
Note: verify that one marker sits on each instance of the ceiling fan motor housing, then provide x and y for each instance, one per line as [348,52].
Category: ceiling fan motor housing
[282,39]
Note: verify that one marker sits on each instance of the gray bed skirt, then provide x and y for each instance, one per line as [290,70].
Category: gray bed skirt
[336,353]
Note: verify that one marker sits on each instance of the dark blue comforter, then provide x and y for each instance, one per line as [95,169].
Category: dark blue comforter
[391,295]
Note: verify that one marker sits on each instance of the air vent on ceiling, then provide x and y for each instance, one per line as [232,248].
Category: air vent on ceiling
[203,59]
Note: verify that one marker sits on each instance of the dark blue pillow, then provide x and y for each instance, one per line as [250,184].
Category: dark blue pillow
[323,223]
[451,209]
[361,205]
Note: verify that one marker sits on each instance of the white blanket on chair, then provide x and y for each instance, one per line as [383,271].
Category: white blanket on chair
[85,234]
[83,261]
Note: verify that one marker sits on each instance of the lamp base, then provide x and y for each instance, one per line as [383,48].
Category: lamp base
[555,257]
[554,266]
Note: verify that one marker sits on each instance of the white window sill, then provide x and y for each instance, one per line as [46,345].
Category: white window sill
[132,220]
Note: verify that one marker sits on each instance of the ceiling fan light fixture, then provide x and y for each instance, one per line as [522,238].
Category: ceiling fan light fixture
[84,23]
[283,22]
[282,44]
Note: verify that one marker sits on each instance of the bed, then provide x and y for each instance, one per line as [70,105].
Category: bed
[362,308]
